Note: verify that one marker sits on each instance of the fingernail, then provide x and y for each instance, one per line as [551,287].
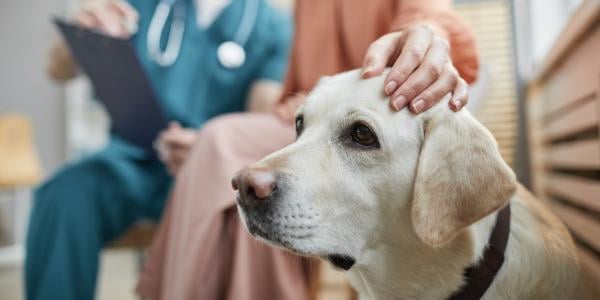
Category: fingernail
[366,70]
[418,105]
[390,87]
[399,102]
[457,104]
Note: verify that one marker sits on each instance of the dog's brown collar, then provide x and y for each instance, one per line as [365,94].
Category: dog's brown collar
[480,277]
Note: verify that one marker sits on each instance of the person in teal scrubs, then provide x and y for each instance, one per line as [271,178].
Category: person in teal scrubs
[91,202]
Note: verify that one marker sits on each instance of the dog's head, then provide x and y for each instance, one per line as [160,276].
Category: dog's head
[360,175]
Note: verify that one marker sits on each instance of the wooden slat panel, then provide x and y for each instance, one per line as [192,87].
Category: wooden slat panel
[576,155]
[572,81]
[563,100]
[583,117]
[498,109]
[500,119]
[585,16]
[579,190]
[583,226]
[590,269]
[503,134]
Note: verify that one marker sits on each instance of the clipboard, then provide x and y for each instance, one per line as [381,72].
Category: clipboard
[119,82]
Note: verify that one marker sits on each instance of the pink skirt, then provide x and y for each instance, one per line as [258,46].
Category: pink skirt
[201,250]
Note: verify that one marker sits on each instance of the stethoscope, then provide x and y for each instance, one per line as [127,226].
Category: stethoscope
[230,54]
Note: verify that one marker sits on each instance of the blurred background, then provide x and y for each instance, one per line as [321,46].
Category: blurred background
[538,93]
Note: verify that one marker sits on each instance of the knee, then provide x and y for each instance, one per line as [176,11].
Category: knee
[222,126]
[244,133]
[70,190]
[223,132]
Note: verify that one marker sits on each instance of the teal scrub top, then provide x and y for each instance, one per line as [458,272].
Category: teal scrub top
[197,87]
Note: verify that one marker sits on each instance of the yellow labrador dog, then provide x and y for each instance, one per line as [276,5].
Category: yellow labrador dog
[408,204]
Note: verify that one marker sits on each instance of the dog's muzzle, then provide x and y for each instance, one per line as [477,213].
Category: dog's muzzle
[268,216]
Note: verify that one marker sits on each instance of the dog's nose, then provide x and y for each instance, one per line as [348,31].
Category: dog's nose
[254,184]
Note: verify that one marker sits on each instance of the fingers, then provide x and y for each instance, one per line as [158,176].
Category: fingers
[175,162]
[380,53]
[112,17]
[428,72]
[460,95]
[130,15]
[175,137]
[126,10]
[435,92]
[178,137]
[422,73]
[172,132]
[86,19]
[176,156]
[174,125]
[179,154]
[105,19]
[174,144]
[418,41]
[111,20]
[172,157]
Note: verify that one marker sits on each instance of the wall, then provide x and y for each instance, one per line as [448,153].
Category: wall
[25,33]
[547,19]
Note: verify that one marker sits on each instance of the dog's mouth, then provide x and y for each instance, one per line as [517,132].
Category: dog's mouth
[258,230]
[289,232]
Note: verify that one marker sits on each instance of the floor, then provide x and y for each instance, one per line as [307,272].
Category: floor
[117,279]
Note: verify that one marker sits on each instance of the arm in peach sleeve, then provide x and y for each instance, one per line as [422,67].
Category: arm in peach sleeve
[290,100]
[290,84]
[291,96]
[440,14]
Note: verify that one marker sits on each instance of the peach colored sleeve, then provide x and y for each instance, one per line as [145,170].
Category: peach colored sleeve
[289,101]
[440,13]
[290,84]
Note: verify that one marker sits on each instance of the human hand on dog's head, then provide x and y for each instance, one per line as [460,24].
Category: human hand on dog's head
[422,71]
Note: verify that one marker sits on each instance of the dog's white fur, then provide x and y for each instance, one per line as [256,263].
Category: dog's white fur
[414,213]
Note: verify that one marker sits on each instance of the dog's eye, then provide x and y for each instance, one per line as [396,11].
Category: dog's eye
[299,124]
[364,136]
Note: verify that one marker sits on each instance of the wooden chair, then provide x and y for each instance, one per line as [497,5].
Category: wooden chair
[19,162]
[19,170]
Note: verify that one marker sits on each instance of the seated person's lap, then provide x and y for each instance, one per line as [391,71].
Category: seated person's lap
[109,189]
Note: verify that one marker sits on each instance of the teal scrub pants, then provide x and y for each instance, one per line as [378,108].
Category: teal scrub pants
[81,209]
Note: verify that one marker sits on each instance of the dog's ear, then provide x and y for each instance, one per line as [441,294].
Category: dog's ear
[461,176]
